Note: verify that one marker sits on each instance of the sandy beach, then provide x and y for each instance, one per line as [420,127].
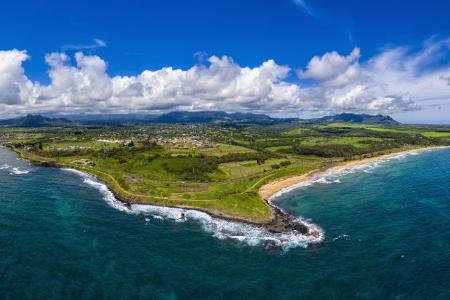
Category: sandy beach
[275,188]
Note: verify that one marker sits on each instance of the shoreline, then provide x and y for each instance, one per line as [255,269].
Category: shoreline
[284,230]
[281,221]
[276,188]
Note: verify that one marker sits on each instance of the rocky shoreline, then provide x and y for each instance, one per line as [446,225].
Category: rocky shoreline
[281,221]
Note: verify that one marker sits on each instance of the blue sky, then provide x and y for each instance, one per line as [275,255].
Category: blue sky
[123,39]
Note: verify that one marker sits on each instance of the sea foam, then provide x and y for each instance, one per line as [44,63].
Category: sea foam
[19,171]
[222,229]
[331,176]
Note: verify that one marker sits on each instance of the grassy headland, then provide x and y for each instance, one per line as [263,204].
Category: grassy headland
[214,168]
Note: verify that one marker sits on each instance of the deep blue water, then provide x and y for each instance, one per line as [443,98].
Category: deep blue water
[387,236]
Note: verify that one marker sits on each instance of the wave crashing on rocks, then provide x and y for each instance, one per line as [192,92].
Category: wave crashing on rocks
[222,229]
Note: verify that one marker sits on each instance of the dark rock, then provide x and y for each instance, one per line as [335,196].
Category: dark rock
[283,222]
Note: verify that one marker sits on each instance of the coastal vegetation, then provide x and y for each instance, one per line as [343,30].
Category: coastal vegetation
[218,168]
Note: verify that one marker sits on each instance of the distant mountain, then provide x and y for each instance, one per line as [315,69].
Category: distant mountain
[35,121]
[250,118]
[219,117]
[110,118]
[355,118]
[185,117]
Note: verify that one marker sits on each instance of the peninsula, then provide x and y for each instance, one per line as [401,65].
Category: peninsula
[219,163]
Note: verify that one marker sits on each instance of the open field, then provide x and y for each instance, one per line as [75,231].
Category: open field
[214,168]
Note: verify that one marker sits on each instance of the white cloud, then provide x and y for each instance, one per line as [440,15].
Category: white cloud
[222,84]
[397,79]
[363,98]
[85,86]
[15,88]
[333,69]
[386,83]
[96,43]
[418,74]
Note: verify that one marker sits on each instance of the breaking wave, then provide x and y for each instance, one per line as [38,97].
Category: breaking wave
[19,171]
[4,166]
[331,176]
[341,237]
[222,229]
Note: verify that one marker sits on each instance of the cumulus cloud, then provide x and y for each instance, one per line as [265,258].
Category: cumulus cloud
[347,85]
[85,83]
[333,69]
[397,79]
[222,84]
[15,88]
[419,74]
[369,99]
[388,82]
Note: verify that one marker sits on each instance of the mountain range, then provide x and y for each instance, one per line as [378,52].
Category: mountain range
[220,117]
[36,121]
[184,117]
[223,117]
[355,118]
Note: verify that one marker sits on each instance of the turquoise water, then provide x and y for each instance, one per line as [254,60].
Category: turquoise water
[387,236]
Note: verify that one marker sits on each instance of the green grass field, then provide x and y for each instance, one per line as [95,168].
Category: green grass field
[219,169]
[354,141]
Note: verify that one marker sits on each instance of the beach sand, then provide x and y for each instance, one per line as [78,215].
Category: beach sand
[275,188]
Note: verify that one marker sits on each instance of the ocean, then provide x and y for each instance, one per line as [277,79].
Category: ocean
[385,235]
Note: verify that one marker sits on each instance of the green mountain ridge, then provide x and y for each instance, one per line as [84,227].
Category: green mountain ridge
[35,121]
[199,117]
[356,118]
